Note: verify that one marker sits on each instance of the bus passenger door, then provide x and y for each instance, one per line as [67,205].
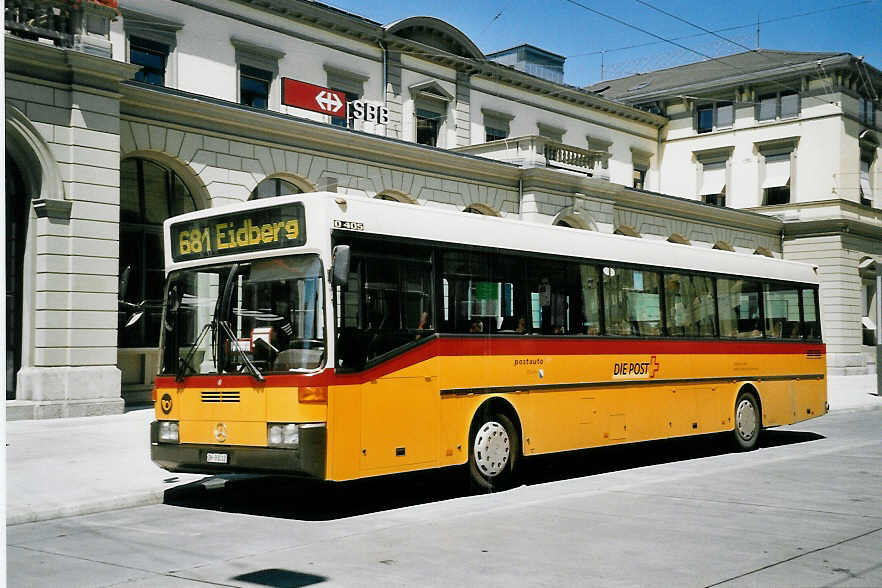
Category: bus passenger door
[400,424]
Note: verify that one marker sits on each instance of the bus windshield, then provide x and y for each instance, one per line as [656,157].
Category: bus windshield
[251,317]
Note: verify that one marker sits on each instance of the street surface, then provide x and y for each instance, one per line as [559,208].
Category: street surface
[803,510]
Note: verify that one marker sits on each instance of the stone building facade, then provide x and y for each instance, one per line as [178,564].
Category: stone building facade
[156,108]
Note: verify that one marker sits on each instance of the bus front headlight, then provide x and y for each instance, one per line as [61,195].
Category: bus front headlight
[282,435]
[168,432]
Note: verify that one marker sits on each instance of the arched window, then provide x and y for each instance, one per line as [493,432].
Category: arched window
[149,193]
[272,187]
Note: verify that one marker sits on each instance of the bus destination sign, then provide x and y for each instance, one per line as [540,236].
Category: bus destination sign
[264,229]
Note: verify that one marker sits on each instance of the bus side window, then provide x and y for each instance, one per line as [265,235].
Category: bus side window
[811,323]
[631,302]
[781,305]
[738,301]
[482,293]
[689,305]
[387,304]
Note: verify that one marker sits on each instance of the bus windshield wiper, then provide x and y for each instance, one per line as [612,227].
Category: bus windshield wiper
[185,363]
[234,343]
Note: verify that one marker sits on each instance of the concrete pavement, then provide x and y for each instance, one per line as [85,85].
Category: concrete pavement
[65,467]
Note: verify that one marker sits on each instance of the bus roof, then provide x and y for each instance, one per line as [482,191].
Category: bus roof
[370,216]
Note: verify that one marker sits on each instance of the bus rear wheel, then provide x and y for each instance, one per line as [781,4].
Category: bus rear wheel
[493,452]
[748,421]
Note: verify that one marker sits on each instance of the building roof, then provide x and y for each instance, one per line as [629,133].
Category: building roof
[737,68]
[528,47]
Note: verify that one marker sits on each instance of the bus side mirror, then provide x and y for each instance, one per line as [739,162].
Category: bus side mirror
[340,266]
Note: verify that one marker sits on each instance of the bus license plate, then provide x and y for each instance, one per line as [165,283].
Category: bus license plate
[216,457]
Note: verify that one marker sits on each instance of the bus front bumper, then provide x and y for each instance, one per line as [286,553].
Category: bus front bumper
[307,459]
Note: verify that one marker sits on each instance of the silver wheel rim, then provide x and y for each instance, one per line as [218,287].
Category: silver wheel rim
[492,449]
[745,419]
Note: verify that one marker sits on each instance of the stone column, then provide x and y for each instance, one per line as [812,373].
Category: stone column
[463,109]
[393,94]
[72,102]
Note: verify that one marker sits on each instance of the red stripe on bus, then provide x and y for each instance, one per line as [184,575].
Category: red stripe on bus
[481,346]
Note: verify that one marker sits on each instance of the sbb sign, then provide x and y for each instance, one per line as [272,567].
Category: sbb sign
[369,112]
[319,99]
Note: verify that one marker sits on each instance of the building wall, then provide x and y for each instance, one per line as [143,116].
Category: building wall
[80,125]
[70,134]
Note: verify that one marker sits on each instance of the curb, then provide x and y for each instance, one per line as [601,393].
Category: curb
[25,516]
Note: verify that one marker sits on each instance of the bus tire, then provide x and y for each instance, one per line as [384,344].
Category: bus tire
[494,452]
[748,421]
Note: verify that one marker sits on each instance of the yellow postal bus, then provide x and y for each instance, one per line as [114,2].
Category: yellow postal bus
[340,337]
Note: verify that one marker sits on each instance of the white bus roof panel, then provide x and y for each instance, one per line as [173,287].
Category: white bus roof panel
[380,217]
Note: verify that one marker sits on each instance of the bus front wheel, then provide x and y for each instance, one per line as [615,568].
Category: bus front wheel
[493,452]
[748,421]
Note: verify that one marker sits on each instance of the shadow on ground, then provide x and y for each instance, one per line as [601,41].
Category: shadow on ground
[310,500]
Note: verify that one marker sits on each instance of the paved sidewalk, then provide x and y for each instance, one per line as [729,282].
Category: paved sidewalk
[66,467]
[71,466]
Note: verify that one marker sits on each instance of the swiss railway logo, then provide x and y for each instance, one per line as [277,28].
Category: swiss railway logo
[636,369]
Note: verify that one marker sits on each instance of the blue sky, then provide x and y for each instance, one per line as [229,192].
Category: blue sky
[564,27]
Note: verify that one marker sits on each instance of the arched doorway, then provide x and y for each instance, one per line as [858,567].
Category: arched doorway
[17,208]
[149,193]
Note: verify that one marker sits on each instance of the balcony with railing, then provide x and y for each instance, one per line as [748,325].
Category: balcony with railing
[538,151]
[75,24]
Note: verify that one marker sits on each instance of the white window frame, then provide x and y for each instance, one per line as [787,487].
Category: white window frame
[262,58]
[640,161]
[713,160]
[551,132]
[766,97]
[497,120]
[430,96]
[715,108]
[157,29]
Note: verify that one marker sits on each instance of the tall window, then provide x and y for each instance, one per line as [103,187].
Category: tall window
[866,188]
[152,57]
[867,112]
[149,193]
[639,177]
[718,115]
[776,186]
[495,133]
[254,86]
[496,125]
[272,187]
[713,183]
[428,124]
[705,119]
[258,67]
